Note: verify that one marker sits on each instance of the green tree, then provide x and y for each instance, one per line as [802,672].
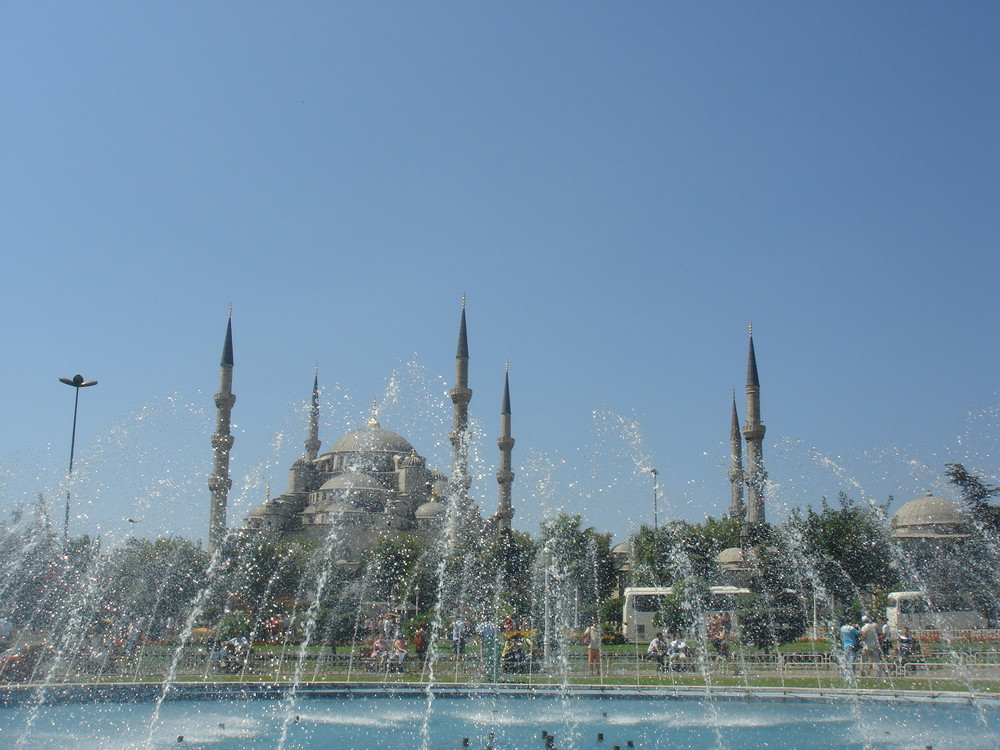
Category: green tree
[685,607]
[849,548]
[976,494]
[767,621]
[581,559]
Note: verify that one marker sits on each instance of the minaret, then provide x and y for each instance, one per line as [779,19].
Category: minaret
[303,471]
[753,432]
[736,507]
[461,395]
[312,442]
[222,442]
[505,477]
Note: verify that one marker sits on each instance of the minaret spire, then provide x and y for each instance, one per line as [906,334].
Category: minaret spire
[505,477]
[461,395]
[312,441]
[753,433]
[222,442]
[736,478]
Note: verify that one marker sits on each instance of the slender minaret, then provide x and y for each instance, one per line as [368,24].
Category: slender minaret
[312,442]
[505,477]
[222,442]
[461,395]
[753,432]
[736,507]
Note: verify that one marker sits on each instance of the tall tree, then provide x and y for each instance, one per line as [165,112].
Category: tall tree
[976,494]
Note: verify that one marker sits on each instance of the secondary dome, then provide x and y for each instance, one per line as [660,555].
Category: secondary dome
[730,556]
[353,481]
[432,509]
[929,517]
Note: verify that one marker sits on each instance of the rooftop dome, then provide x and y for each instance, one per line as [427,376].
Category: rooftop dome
[622,548]
[371,438]
[412,460]
[353,481]
[432,509]
[929,516]
[730,556]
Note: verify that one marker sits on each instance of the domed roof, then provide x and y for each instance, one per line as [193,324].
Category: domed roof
[432,509]
[730,556]
[622,548]
[412,460]
[353,481]
[372,438]
[929,516]
[336,508]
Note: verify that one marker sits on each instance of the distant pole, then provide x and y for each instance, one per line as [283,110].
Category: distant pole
[656,522]
[77,382]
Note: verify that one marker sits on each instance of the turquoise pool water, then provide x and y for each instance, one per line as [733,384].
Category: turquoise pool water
[504,723]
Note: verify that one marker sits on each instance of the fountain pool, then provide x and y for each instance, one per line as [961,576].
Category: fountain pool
[512,720]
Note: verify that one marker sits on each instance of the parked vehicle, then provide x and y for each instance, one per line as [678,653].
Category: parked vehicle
[642,604]
[915,610]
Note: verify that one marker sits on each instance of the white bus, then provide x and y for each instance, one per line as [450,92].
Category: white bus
[642,604]
[913,609]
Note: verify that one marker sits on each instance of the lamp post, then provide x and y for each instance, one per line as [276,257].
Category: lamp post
[77,382]
[656,523]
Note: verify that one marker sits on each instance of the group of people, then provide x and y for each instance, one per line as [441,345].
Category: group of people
[868,650]
[386,658]
[673,654]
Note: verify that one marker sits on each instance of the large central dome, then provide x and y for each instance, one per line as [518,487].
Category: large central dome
[372,438]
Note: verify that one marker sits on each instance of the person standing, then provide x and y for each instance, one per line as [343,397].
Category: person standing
[871,650]
[459,632]
[593,637]
[657,650]
[489,649]
[885,638]
[420,643]
[849,637]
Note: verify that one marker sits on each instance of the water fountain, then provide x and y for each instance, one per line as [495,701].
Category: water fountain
[102,689]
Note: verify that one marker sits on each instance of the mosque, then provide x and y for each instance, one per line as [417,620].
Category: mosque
[371,484]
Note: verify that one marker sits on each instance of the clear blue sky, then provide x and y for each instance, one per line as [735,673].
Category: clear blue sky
[619,188]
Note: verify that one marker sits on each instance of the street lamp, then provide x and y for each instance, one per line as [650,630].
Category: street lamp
[77,382]
[656,524]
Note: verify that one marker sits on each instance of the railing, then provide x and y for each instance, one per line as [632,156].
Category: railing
[151,663]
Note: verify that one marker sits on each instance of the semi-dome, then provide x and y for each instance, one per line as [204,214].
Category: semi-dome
[353,480]
[929,517]
[372,438]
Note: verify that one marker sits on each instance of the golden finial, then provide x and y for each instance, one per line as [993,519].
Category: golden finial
[463,301]
[373,422]
[751,330]
[230,309]
[506,367]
